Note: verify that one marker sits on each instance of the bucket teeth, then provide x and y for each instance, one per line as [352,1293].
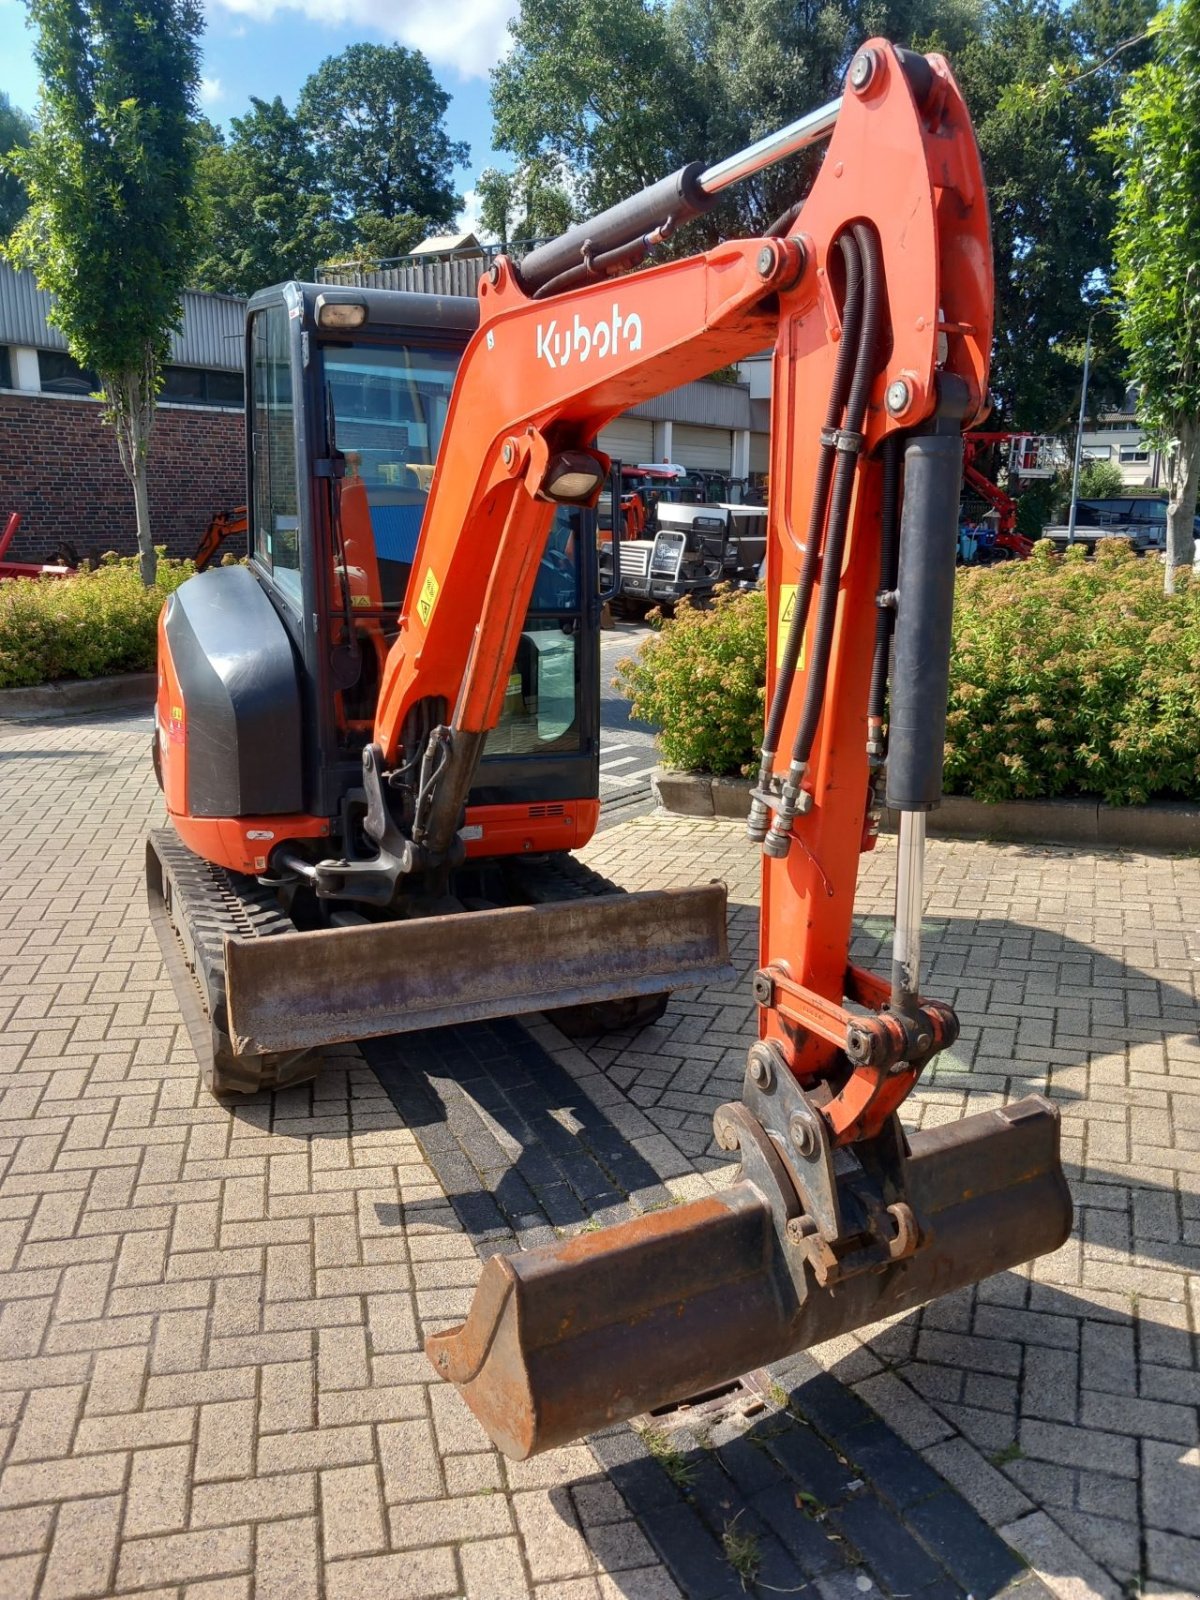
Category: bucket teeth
[571,1337]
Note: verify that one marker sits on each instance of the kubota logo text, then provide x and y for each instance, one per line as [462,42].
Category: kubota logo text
[580,342]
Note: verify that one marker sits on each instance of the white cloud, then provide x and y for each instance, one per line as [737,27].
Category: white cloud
[469,35]
[210,91]
[468,217]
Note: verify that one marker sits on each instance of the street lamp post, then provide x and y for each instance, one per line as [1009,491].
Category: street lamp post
[1087,362]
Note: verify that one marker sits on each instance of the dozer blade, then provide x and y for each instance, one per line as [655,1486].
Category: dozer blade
[300,990]
[571,1337]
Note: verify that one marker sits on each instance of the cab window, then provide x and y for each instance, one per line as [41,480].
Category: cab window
[273,486]
[389,407]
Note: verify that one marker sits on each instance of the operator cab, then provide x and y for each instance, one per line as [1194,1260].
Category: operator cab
[348,398]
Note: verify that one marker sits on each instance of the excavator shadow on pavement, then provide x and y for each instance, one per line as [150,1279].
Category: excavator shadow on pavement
[791,1478]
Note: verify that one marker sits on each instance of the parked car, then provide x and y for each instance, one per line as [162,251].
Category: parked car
[1142,519]
[1088,534]
[693,547]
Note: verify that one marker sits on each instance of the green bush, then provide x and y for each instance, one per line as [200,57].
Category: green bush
[99,622]
[1071,676]
[700,678]
[1068,676]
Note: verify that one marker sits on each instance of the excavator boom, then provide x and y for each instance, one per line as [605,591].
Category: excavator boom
[876,294]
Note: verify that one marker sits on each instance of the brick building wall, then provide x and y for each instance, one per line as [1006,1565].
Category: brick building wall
[59,468]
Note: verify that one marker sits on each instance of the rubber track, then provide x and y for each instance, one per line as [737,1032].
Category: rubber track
[207,903]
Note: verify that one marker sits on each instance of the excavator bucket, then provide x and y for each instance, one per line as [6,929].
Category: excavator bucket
[297,991]
[571,1337]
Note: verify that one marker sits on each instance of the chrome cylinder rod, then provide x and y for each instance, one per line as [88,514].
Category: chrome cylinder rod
[807,130]
[910,895]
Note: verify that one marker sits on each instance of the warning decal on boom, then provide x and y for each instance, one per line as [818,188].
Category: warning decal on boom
[428,597]
[787,607]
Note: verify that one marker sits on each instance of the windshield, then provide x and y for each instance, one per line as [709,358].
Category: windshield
[389,407]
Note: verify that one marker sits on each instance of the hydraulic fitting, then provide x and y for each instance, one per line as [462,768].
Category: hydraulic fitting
[794,801]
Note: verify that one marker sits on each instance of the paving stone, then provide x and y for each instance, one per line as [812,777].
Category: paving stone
[553,1544]
[964,1543]
[1079,1447]
[988,1490]
[1051,1384]
[492,1570]
[693,1556]
[157,1500]
[84,1551]
[1058,1561]
[287,1564]
[429,1573]
[893,1553]
[1171,1488]
[135,1210]
[173,1558]
[263,1499]
[896,1403]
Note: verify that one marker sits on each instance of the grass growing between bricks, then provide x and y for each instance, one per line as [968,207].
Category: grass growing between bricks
[742,1553]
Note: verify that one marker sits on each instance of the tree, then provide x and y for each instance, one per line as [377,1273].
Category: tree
[531,203]
[268,212]
[374,116]
[374,238]
[111,178]
[622,92]
[1157,235]
[15,129]
[1036,115]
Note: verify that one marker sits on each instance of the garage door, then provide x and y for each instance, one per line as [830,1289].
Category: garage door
[628,440]
[701,447]
[760,452]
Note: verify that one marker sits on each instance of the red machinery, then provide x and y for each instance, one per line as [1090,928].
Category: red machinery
[876,294]
[223,525]
[1007,538]
[25,569]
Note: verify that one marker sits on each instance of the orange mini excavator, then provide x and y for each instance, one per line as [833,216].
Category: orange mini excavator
[349,730]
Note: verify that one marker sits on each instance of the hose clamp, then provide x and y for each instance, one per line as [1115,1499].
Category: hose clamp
[843,439]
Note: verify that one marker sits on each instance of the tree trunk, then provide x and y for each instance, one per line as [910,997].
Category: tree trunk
[130,397]
[147,555]
[1181,504]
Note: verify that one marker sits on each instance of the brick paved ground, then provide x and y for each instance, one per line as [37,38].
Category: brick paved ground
[212,1382]
[1062,1400]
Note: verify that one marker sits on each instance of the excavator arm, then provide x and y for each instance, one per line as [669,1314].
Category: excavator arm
[548,370]
[876,295]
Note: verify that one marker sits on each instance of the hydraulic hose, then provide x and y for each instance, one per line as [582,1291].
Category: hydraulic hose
[848,448]
[885,615]
[838,395]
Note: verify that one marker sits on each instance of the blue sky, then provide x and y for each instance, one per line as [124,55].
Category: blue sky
[269,47]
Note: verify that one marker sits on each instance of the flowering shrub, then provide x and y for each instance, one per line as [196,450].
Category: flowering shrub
[700,678]
[99,622]
[1068,676]
[1071,676]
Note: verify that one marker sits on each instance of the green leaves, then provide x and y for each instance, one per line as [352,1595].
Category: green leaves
[374,117]
[1153,142]
[362,169]
[1074,677]
[100,622]
[1068,676]
[110,173]
[701,680]
[268,211]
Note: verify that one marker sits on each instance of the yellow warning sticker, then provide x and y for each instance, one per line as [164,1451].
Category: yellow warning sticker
[428,597]
[787,609]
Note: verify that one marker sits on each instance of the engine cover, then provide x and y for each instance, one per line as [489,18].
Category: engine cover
[235,670]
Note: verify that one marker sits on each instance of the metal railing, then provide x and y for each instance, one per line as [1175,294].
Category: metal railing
[451,272]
